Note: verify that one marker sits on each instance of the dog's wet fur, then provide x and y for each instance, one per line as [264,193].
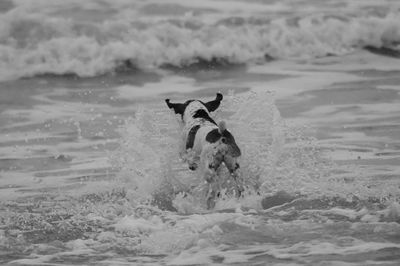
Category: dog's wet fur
[211,143]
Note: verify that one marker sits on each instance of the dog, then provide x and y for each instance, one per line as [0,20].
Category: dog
[209,143]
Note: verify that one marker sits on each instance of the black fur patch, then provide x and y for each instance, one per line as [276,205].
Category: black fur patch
[191,137]
[213,105]
[228,136]
[201,113]
[230,141]
[179,108]
[213,136]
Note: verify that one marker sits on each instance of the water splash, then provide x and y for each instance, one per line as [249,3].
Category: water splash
[276,157]
[141,159]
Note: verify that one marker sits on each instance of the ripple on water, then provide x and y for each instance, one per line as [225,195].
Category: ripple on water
[294,209]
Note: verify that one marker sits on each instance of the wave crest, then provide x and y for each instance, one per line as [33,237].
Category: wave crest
[32,44]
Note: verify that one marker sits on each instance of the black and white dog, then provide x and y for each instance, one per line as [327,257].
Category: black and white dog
[210,144]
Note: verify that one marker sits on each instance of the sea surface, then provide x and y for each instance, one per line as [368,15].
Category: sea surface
[90,166]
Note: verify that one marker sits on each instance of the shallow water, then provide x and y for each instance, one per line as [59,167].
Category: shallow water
[92,176]
[90,172]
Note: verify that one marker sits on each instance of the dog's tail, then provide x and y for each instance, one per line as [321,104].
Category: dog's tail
[221,127]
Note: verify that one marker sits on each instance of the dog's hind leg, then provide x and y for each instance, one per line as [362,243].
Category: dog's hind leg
[190,157]
[239,187]
[212,193]
[233,167]
[211,161]
[210,176]
[211,196]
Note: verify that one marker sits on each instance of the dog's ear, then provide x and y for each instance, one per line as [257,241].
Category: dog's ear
[213,105]
[179,108]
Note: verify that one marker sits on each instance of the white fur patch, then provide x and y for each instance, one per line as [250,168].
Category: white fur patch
[205,127]
[190,122]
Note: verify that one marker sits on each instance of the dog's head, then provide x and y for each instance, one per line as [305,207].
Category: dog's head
[182,108]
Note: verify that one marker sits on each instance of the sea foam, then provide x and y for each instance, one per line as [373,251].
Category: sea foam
[35,41]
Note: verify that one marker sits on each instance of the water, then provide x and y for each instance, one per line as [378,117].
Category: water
[90,172]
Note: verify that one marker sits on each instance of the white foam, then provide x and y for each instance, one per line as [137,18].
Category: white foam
[392,212]
[311,248]
[206,255]
[132,225]
[37,41]
[174,233]
[349,213]
[76,247]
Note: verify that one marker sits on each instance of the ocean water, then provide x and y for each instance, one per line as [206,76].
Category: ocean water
[90,171]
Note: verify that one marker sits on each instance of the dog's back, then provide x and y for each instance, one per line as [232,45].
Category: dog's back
[197,124]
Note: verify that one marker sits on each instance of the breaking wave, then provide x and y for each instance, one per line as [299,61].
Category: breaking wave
[33,43]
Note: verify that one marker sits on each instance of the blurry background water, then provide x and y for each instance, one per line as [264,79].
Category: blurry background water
[90,172]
